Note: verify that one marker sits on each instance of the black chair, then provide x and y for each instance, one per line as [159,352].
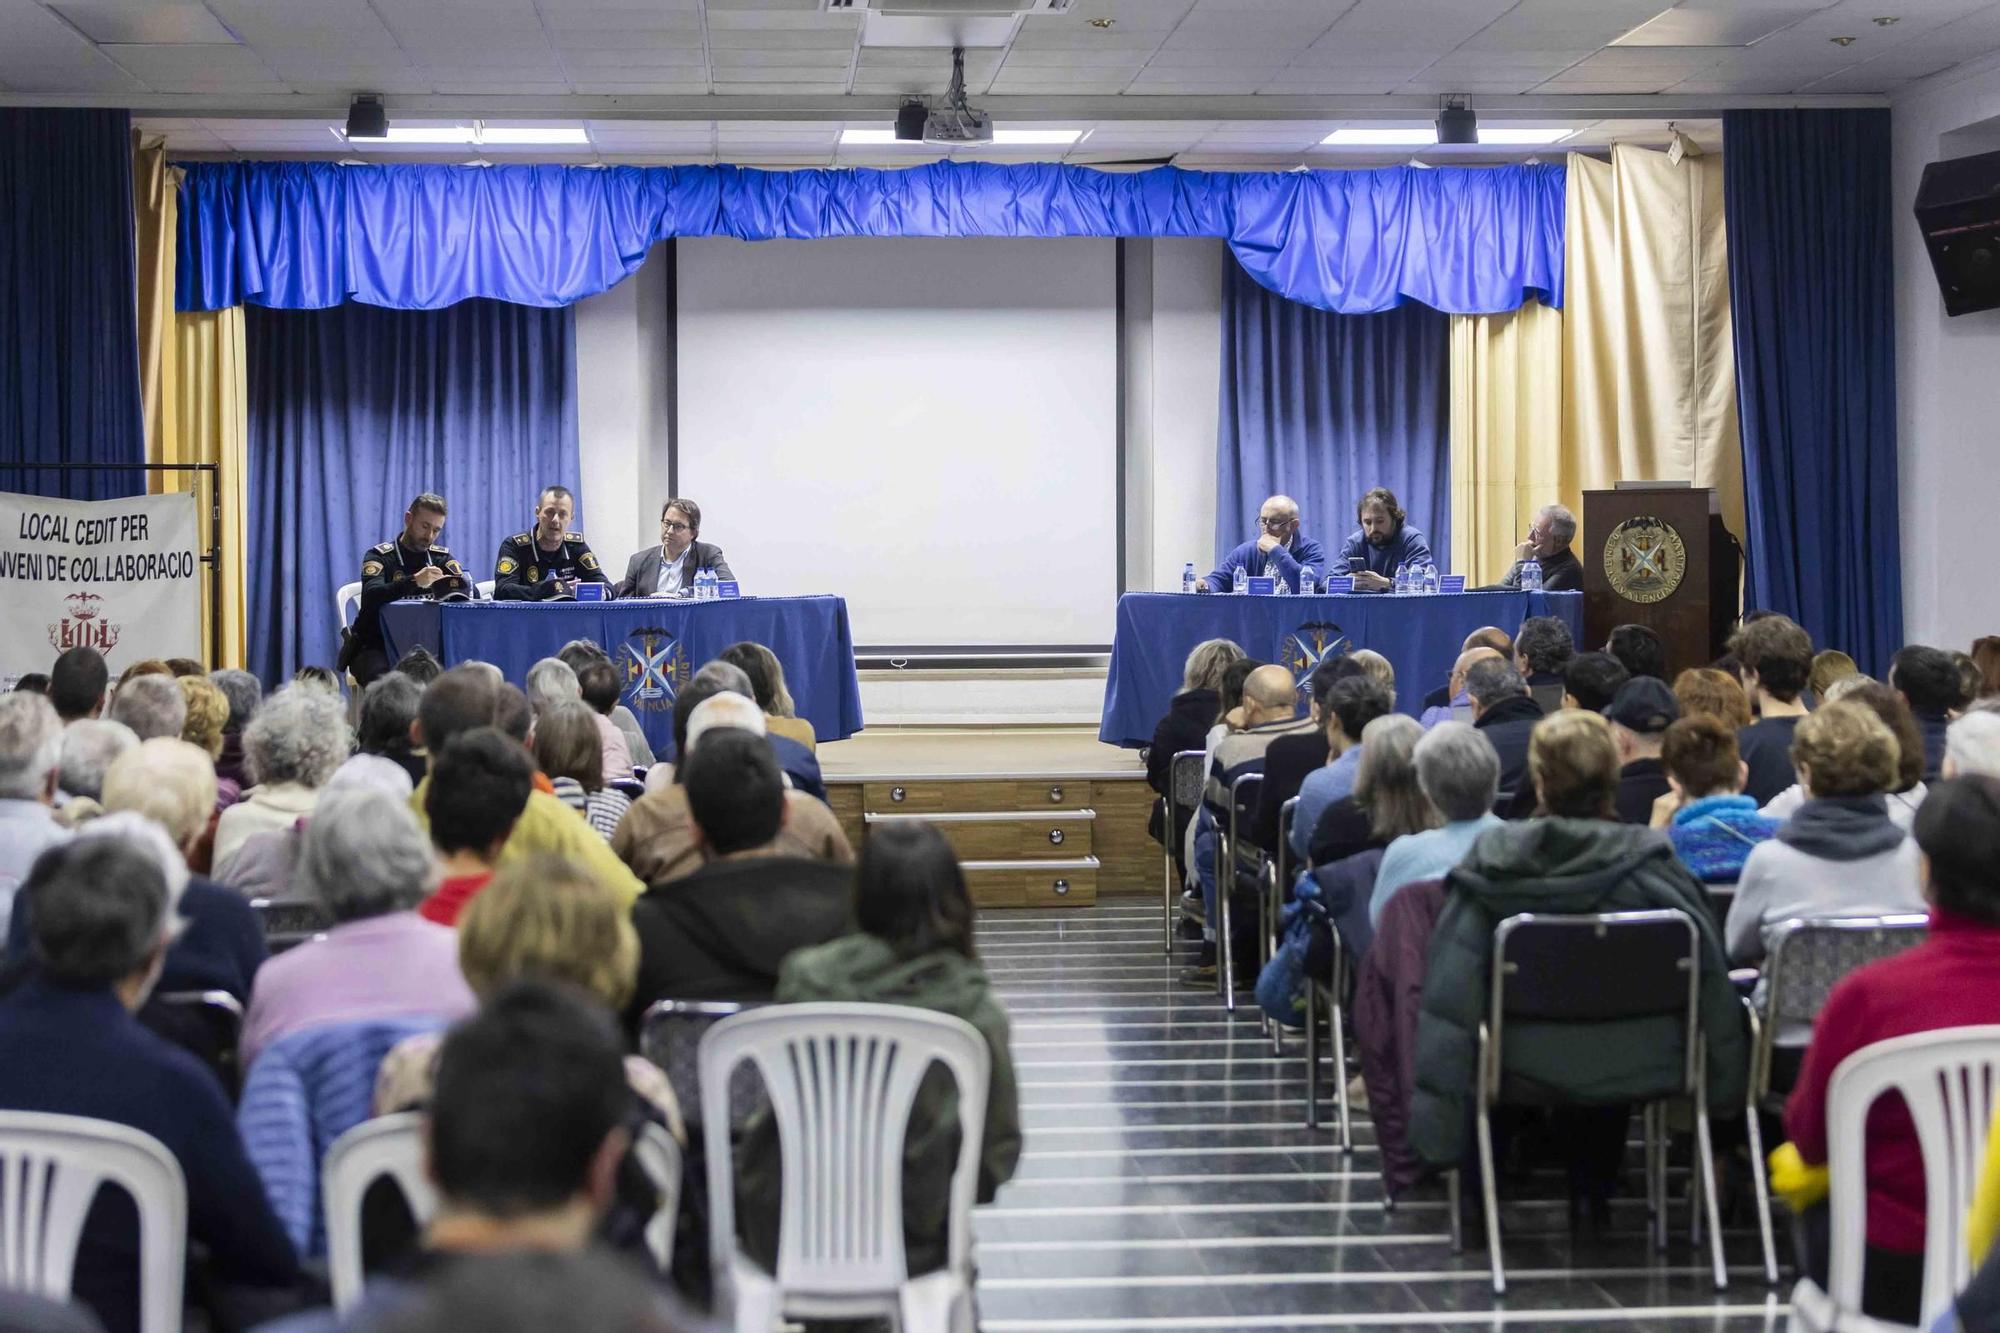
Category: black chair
[670,1036]
[1600,968]
[1229,861]
[206,1023]
[1326,997]
[628,787]
[289,922]
[1185,777]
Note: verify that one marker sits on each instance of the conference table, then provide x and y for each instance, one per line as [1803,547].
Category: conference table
[1420,635]
[657,644]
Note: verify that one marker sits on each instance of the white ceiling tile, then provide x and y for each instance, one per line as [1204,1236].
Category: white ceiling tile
[196,69]
[156,23]
[39,53]
[786,40]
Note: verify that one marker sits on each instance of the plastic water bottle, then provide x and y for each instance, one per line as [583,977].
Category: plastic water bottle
[1278,584]
[1241,580]
[1187,577]
[1307,585]
[1403,580]
[1531,575]
[705,585]
[1430,579]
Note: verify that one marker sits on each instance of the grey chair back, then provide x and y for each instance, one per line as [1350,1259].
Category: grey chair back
[670,1037]
[1806,958]
[290,921]
[1185,779]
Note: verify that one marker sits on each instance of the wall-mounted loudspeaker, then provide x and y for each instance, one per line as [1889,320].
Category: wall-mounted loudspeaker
[1958,211]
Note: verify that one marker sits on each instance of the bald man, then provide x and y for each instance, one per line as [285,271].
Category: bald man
[1486,636]
[1458,703]
[1270,710]
[1280,550]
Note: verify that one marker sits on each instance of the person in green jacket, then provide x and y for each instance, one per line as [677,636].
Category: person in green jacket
[1573,858]
[914,947]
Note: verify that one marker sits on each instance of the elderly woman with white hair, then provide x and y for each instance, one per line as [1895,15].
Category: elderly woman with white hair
[292,746]
[656,836]
[30,745]
[552,681]
[368,863]
[167,787]
[89,745]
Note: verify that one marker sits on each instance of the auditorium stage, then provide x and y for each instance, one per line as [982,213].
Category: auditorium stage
[1041,816]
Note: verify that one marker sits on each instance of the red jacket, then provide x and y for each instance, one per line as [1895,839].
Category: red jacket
[1388,997]
[1950,980]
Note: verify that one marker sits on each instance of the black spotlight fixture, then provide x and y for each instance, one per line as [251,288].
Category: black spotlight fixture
[1457,124]
[366,118]
[910,119]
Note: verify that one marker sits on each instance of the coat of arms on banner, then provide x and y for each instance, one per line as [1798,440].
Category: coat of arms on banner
[655,667]
[83,627]
[1307,646]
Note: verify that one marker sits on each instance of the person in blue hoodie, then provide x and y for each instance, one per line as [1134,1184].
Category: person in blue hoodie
[1713,826]
[1279,549]
[1384,542]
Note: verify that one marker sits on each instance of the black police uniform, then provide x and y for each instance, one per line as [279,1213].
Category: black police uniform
[524,572]
[387,571]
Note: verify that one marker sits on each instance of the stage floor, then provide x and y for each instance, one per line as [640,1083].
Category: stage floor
[976,752]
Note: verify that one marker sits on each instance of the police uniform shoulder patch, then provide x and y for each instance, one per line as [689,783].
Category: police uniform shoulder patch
[384,549]
[507,565]
[451,567]
[572,536]
[588,560]
[370,568]
[440,550]
[522,538]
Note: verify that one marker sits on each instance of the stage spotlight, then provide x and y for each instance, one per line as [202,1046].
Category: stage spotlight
[366,118]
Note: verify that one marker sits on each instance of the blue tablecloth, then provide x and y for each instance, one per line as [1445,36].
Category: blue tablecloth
[1421,637]
[657,643]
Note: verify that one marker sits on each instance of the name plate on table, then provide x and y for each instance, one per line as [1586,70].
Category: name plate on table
[1451,583]
[1262,585]
[592,592]
[728,590]
[1339,583]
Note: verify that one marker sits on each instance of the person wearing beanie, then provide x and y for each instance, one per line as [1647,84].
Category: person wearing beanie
[1950,980]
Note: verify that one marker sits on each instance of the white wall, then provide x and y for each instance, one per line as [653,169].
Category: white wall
[1947,383]
[621,411]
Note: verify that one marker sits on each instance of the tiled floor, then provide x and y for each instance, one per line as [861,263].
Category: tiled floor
[1168,1180]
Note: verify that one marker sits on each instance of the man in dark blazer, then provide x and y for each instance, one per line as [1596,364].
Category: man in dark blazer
[669,568]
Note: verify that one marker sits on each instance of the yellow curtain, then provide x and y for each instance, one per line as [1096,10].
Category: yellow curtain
[191,370]
[1649,376]
[1506,422]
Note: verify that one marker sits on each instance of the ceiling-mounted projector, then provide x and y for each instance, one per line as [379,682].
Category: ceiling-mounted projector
[951,125]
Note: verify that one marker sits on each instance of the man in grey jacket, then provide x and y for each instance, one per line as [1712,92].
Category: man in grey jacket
[668,570]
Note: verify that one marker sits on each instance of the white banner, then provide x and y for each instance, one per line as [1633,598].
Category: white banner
[120,576]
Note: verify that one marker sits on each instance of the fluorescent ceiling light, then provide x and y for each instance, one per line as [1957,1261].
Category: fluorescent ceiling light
[1036,136]
[1501,134]
[434,134]
[490,134]
[1406,137]
[1001,138]
[874,137]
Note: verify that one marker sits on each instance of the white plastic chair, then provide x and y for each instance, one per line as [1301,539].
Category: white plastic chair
[50,1169]
[347,604]
[393,1146]
[485,588]
[841,1079]
[1950,1080]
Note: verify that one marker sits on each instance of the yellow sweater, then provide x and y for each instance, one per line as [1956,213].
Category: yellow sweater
[547,825]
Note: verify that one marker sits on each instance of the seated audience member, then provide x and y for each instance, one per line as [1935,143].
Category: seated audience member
[1712,825]
[1971,680]
[1840,854]
[1830,666]
[419,665]
[473,695]
[1929,680]
[145,666]
[1592,680]
[1548,545]
[767,687]
[656,838]
[245,694]
[34,682]
[1950,980]
[1907,792]
[207,715]
[1388,805]
[89,745]
[266,865]
[542,919]
[1574,857]
[1377,668]
[552,682]
[529,1121]
[1775,657]
[1542,650]
[799,766]
[721,932]
[30,746]
[1504,714]
[483,780]
[184,667]
[1717,694]
[70,1046]
[388,708]
[1640,715]
[1459,773]
[1445,695]
[1290,760]
[1985,655]
[1972,745]
[601,685]
[320,678]
[1639,650]
[569,748]
[913,946]
[1348,705]
[367,862]
[581,653]
[152,705]
[1458,704]
[1185,727]
[77,683]
[291,747]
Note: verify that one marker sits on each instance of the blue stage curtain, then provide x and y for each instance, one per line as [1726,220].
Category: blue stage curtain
[1807,199]
[1323,408]
[356,410]
[69,356]
[304,235]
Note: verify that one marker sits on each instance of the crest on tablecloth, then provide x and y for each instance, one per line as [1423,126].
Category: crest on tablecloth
[655,666]
[1307,646]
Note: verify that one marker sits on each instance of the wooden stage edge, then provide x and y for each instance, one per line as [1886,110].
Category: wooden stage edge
[1041,816]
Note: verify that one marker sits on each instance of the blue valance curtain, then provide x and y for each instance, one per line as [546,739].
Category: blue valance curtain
[1322,407]
[356,410]
[1807,199]
[69,357]
[306,235]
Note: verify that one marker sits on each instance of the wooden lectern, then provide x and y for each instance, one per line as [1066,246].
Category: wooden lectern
[1658,555]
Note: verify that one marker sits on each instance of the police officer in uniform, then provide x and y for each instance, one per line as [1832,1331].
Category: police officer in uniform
[412,565]
[548,561]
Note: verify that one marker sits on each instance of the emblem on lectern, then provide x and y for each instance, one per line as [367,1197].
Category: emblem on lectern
[1645,559]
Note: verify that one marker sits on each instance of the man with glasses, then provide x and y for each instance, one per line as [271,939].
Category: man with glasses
[1279,549]
[668,570]
[549,560]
